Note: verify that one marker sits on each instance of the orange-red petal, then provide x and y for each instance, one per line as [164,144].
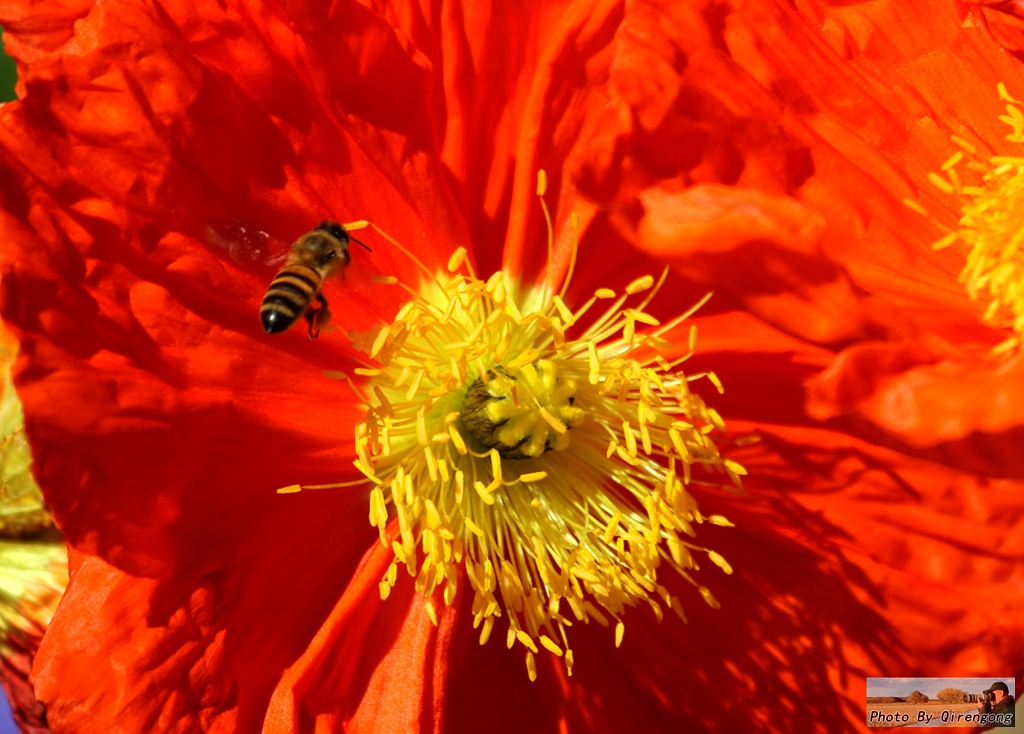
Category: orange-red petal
[1005,21]
[374,666]
[202,652]
[809,231]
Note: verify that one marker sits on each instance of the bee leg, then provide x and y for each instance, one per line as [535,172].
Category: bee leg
[318,317]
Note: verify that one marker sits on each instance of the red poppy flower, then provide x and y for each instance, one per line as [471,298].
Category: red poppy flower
[151,148]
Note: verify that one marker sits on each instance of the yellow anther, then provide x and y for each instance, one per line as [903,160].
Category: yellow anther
[550,645]
[460,445]
[564,312]
[456,260]
[640,284]
[940,183]
[484,492]
[526,640]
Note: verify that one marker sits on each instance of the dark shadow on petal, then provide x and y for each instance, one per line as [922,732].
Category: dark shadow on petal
[800,625]
[989,454]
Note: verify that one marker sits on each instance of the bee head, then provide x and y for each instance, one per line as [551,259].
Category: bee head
[325,248]
[334,230]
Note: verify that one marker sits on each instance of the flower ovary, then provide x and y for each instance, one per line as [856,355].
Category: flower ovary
[522,413]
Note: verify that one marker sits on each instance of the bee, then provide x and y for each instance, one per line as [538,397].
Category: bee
[313,257]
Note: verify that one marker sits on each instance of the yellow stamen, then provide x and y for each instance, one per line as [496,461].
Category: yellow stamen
[485,431]
[992,208]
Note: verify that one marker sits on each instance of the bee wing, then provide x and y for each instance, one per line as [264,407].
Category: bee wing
[248,246]
[279,258]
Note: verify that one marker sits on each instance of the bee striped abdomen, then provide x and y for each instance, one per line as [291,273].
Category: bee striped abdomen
[289,295]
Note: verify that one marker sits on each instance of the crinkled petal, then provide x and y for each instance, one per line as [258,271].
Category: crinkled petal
[374,666]
[125,175]
[275,129]
[132,370]
[761,252]
[199,653]
[810,232]
[1005,21]
[518,87]
[960,412]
